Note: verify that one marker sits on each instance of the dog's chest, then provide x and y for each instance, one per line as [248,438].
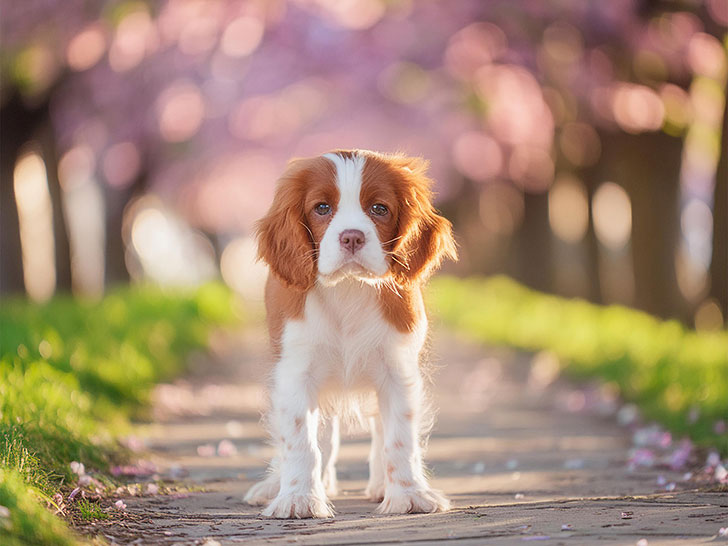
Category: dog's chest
[346,320]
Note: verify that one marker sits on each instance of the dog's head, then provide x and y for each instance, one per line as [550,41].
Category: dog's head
[354,214]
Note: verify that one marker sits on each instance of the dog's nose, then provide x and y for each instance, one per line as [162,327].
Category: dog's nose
[352,239]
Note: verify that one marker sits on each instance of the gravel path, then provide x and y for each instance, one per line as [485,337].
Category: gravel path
[522,458]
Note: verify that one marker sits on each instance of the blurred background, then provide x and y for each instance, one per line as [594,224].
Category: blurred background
[578,146]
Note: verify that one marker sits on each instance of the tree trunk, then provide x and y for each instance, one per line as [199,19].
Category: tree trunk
[47,141]
[719,262]
[18,124]
[647,166]
[532,243]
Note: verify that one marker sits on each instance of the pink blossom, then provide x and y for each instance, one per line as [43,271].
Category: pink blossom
[120,505]
[723,532]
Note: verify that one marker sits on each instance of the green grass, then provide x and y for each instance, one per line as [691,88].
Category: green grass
[669,371]
[72,374]
[90,511]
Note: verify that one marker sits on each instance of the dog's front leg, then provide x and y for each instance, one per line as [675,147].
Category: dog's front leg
[295,421]
[401,403]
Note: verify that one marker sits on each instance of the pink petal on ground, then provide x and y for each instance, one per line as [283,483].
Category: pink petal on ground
[723,532]
[680,457]
[74,493]
[78,468]
[687,476]
[713,459]
[206,450]
[84,480]
[226,449]
[642,542]
[519,496]
[120,505]
[566,527]
[642,457]
[152,489]
[627,515]
[661,480]
[670,486]
[721,474]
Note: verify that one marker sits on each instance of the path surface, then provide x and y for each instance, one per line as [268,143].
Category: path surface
[516,457]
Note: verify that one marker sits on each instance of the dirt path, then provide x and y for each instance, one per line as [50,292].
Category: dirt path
[521,462]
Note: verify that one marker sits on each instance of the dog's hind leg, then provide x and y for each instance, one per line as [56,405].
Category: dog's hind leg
[329,442]
[375,486]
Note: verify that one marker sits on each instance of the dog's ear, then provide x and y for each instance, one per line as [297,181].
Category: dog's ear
[284,240]
[425,236]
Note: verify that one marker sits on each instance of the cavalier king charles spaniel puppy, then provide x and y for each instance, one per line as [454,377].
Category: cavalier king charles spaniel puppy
[350,239]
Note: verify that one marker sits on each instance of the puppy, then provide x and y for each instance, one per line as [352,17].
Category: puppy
[350,239]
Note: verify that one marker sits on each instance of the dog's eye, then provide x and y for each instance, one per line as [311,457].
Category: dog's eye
[379,209]
[322,208]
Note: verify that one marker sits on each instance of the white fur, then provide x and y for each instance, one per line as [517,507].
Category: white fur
[333,261]
[344,345]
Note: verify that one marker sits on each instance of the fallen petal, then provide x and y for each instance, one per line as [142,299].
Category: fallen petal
[207,450]
[74,493]
[120,505]
[226,449]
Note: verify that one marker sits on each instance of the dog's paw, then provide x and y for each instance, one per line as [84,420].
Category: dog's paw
[263,492]
[299,507]
[413,501]
[375,491]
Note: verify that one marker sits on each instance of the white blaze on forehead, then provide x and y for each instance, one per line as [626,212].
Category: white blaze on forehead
[348,178]
[348,214]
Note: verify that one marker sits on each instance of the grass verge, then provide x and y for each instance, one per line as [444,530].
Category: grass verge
[72,373]
[677,376]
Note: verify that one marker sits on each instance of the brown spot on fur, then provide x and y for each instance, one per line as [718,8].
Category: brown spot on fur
[390,470]
[294,482]
[408,415]
[398,444]
[405,483]
[299,423]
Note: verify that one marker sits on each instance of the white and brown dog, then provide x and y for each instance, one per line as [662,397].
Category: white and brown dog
[350,239]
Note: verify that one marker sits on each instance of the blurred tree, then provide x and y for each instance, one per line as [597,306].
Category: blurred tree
[719,261]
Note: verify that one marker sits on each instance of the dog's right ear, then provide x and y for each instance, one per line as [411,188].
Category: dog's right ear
[284,241]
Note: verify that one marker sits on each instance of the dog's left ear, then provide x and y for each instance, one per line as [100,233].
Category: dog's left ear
[425,237]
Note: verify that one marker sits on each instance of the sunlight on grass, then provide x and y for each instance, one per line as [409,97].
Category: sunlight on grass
[677,376]
[72,374]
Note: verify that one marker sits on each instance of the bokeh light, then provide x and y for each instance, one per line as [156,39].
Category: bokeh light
[612,215]
[36,225]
